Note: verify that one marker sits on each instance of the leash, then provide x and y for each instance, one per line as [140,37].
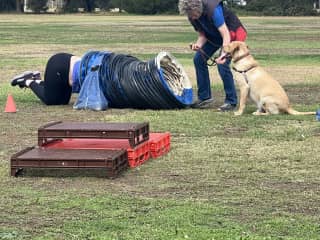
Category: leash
[211,61]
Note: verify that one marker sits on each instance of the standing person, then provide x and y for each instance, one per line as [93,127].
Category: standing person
[217,27]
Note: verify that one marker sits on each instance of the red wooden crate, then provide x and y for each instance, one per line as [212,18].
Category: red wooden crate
[159,144]
[136,155]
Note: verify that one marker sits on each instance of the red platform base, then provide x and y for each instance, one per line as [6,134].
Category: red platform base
[136,155]
[159,144]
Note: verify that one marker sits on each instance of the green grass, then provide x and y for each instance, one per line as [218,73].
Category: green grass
[226,177]
[108,217]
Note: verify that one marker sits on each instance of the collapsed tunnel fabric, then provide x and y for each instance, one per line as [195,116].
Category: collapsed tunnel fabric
[127,82]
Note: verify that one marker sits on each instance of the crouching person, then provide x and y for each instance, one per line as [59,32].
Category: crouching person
[56,87]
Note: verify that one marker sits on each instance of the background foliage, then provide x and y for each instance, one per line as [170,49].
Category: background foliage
[254,7]
[38,5]
[281,7]
[7,5]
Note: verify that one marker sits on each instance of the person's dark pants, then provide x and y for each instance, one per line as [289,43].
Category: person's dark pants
[55,89]
[203,79]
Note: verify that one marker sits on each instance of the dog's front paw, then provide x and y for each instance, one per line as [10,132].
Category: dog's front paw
[238,113]
[256,113]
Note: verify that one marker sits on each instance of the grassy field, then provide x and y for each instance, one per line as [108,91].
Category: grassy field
[226,177]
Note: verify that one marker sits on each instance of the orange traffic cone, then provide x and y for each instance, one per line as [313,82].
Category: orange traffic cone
[10,106]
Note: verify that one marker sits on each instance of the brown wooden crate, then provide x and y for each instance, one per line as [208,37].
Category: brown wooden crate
[113,161]
[136,133]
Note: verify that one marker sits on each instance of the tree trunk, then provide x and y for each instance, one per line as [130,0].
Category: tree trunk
[89,5]
[120,7]
[18,6]
[66,3]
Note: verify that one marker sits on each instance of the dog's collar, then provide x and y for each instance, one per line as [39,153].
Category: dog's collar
[241,57]
[247,70]
[244,73]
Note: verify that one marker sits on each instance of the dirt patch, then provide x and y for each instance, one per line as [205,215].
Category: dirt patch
[295,188]
[317,132]
[307,95]
[298,94]
[235,131]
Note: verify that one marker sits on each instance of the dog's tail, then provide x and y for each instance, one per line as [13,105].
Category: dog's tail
[291,111]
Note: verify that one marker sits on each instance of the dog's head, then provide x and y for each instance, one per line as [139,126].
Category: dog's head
[236,49]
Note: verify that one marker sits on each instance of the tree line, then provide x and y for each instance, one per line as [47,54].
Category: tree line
[130,6]
[256,7]
[282,7]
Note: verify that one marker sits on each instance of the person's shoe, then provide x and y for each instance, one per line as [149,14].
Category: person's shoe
[227,107]
[202,103]
[36,75]
[20,79]
[21,82]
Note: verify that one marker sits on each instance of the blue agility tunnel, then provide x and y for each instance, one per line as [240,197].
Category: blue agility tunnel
[121,81]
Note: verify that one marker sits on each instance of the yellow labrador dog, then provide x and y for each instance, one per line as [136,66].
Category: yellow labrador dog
[264,90]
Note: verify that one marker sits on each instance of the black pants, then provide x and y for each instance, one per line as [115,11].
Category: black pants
[55,89]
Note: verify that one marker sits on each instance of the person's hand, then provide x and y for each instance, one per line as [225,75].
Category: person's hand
[222,58]
[200,42]
[195,46]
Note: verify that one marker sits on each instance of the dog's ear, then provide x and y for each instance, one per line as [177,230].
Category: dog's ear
[230,47]
[235,49]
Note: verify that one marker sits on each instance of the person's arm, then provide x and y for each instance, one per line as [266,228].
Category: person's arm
[200,42]
[219,22]
[225,34]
